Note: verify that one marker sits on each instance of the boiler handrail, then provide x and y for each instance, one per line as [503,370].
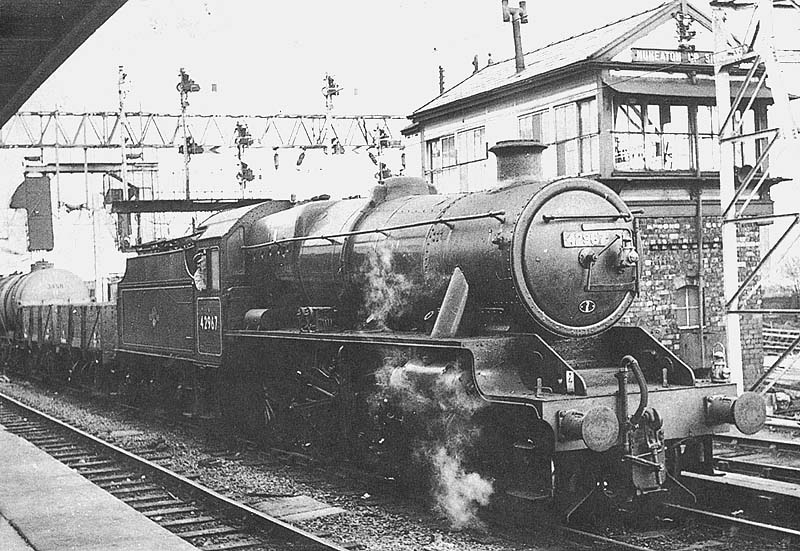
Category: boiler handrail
[497,214]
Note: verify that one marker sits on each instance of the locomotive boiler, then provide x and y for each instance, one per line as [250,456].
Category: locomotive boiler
[528,258]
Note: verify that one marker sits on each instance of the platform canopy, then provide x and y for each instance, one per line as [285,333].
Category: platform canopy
[36,37]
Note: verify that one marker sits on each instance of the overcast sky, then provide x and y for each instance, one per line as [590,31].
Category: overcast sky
[267,57]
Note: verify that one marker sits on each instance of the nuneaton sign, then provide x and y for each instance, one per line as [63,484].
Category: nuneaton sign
[652,55]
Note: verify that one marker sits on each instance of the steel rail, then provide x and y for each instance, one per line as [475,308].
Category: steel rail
[171,477]
[747,460]
[604,539]
[774,368]
[760,443]
[751,524]
[769,471]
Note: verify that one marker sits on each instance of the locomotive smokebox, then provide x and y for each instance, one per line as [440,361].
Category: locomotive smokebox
[518,159]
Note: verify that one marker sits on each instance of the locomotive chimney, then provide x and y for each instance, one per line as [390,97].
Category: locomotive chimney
[518,159]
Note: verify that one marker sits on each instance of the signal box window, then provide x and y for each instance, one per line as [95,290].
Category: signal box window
[531,126]
[471,145]
[454,160]
[652,137]
[448,151]
[577,132]
[687,306]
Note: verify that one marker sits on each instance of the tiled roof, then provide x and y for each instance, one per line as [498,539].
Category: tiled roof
[553,56]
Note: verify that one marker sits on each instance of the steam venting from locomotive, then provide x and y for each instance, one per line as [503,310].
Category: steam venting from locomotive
[386,290]
[458,493]
[437,402]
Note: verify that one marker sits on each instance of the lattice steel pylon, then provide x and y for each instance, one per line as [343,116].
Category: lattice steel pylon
[757,55]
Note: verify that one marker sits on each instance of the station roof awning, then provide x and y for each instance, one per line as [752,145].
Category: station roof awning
[676,87]
[36,37]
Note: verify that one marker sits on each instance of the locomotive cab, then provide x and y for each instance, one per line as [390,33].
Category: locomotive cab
[218,266]
[208,305]
[174,303]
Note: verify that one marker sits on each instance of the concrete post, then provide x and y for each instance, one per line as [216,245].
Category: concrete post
[730,268]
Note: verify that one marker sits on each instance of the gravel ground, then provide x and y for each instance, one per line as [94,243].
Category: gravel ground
[374,517]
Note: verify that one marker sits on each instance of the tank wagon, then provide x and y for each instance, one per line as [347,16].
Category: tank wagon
[486,324]
[50,327]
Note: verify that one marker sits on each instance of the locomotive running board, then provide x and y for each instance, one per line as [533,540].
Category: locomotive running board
[366,337]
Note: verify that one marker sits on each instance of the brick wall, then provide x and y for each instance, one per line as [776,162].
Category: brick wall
[669,260]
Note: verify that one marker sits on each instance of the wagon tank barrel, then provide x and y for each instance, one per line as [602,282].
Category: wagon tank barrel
[44,285]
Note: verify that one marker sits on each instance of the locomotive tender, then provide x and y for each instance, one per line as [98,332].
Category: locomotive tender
[317,321]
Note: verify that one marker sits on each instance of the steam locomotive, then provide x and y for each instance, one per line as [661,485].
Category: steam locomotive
[406,326]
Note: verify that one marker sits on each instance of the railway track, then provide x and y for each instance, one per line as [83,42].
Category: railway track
[774,459]
[214,522]
[607,541]
[207,519]
[722,531]
[766,529]
[755,491]
[755,487]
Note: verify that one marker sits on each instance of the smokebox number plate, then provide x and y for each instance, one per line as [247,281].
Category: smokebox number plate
[597,238]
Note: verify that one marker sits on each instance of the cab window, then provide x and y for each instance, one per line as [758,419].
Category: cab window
[206,274]
[213,279]
[234,252]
